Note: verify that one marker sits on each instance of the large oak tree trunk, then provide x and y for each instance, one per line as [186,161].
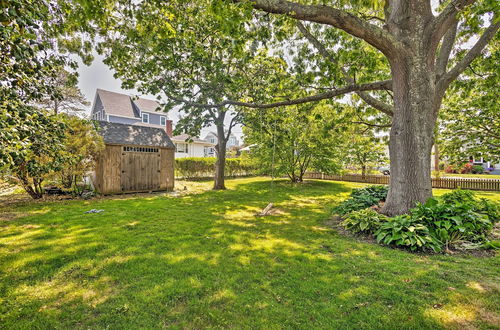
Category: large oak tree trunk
[413,122]
[220,165]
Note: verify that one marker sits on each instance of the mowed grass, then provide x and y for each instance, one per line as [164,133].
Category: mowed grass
[204,260]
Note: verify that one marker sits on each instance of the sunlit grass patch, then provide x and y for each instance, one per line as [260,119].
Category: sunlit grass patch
[203,259]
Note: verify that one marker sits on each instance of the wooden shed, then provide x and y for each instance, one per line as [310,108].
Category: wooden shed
[135,159]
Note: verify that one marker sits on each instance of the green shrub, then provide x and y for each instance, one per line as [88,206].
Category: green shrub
[458,217]
[405,231]
[477,169]
[378,192]
[195,167]
[199,167]
[366,221]
[362,198]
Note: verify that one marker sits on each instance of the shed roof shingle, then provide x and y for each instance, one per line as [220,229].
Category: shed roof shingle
[115,133]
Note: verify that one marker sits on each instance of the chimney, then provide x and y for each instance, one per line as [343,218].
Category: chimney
[168,128]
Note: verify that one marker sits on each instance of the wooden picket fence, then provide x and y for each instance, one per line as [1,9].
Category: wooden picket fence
[445,183]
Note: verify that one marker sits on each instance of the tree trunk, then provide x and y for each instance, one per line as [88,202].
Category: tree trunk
[412,135]
[363,171]
[220,164]
[436,158]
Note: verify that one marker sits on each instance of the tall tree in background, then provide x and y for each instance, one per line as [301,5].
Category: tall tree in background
[364,151]
[68,98]
[399,56]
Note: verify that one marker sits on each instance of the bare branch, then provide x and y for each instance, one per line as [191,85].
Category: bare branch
[372,34]
[379,85]
[474,52]
[377,104]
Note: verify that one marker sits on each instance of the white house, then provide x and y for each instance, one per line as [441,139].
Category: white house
[231,142]
[187,146]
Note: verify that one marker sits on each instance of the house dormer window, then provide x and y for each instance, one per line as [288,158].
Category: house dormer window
[145,118]
[163,120]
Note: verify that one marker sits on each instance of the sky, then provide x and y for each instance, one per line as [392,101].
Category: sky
[99,75]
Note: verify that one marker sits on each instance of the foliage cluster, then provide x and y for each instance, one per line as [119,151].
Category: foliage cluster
[456,218]
[364,221]
[291,140]
[198,167]
[405,230]
[56,147]
[362,198]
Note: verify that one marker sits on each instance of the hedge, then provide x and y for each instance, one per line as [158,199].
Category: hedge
[200,167]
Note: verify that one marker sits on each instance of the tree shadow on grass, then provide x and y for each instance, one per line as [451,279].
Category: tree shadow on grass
[205,260]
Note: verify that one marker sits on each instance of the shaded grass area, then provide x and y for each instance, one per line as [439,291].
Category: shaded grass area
[204,260]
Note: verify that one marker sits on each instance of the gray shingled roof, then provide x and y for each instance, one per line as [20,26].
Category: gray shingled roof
[121,104]
[146,105]
[115,133]
[116,103]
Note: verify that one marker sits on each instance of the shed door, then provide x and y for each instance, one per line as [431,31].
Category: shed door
[140,168]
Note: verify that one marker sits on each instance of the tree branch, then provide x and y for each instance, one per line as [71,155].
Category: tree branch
[445,50]
[372,34]
[379,105]
[444,21]
[379,85]
[474,52]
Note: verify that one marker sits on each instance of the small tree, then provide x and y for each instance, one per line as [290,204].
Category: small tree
[290,140]
[81,147]
[40,151]
[364,152]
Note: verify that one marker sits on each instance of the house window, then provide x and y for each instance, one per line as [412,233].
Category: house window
[145,118]
[163,120]
[181,147]
[211,139]
[208,151]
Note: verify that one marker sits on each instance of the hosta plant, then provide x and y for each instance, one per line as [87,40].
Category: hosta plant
[362,198]
[404,231]
[364,221]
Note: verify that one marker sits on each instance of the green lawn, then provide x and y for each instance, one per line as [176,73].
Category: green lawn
[204,260]
[470,176]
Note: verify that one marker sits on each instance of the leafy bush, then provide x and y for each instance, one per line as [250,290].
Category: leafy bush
[466,169]
[195,167]
[450,169]
[198,167]
[377,192]
[405,231]
[367,221]
[457,217]
[362,198]
[477,169]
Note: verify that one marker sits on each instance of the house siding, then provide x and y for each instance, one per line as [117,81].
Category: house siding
[98,107]
[154,118]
